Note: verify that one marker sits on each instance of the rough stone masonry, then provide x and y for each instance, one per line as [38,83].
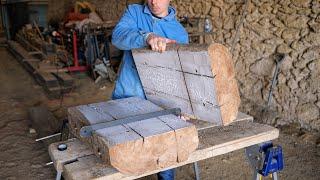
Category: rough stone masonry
[277,26]
[270,26]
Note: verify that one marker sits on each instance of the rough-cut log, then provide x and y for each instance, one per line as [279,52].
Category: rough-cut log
[136,147]
[200,79]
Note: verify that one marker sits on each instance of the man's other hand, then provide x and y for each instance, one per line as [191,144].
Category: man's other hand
[158,43]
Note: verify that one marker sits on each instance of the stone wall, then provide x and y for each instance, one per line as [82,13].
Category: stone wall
[108,10]
[270,27]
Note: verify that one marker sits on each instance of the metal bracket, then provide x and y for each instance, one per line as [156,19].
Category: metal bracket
[265,159]
[86,131]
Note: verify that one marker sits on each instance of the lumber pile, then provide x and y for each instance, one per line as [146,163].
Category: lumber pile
[199,79]
[135,147]
[54,81]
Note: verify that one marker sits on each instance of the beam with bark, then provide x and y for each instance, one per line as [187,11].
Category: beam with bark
[199,79]
[135,147]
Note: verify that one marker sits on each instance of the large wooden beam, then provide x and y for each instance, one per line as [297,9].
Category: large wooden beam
[213,141]
[200,79]
[135,147]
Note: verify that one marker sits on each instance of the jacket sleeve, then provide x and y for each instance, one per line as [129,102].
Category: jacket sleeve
[126,35]
[185,39]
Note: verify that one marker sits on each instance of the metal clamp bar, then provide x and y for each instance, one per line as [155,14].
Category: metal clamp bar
[86,131]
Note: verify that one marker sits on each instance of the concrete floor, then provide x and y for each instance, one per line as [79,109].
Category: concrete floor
[22,158]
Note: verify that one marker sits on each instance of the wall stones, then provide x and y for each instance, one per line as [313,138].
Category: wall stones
[277,26]
[270,27]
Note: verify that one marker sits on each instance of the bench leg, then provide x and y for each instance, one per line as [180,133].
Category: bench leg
[59,174]
[275,176]
[196,171]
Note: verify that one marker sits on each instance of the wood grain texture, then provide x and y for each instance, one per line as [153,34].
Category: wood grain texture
[135,147]
[200,78]
[226,85]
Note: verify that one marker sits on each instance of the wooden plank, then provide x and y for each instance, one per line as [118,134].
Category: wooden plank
[201,89]
[64,78]
[134,147]
[30,66]
[205,79]
[122,108]
[163,80]
[86,115]
[201,125]
[196,60]
[169,101]
[186,137]
[75,150]
[18,50]
[168,60]
[213,142]
[31,60]
[46,79]
[56,92]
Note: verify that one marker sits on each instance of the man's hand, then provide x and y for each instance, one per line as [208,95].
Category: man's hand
[158,43]
[185,118]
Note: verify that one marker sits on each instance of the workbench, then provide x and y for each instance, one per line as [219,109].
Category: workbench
[79,162]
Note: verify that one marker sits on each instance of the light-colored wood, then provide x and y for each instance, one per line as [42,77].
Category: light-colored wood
[76,147]
[212,142]
[135,147]
[226,85]
[200,78]
[165,80]
[75,150]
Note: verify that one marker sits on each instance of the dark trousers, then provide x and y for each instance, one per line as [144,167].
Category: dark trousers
[166,175]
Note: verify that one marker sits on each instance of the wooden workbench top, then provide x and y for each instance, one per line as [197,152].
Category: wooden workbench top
[78,163]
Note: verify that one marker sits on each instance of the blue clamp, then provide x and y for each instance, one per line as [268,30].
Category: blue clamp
[273,159]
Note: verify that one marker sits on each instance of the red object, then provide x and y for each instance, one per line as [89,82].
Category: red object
[72,16]
[76,66]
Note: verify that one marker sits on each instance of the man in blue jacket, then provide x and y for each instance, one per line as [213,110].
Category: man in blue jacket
[153,24]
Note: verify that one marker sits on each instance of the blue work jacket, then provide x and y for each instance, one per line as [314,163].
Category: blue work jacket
[130,33]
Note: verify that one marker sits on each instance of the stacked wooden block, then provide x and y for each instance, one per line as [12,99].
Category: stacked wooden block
[136,147]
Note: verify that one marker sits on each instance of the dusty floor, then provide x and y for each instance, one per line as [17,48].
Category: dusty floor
[22,158]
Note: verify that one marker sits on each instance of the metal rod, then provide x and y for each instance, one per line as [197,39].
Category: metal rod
[47,137]
[275,77]
[59,174]
[244,13]
[196,171]
[86,131]
[275,176]
[49,163]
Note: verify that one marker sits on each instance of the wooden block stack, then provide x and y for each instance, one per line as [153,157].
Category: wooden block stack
[200,79]
[54,81]
[136,147]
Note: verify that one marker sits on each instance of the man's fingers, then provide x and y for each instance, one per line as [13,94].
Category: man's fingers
[170,41]
[163,49]
[162,45]
[153,45]
[158,43]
